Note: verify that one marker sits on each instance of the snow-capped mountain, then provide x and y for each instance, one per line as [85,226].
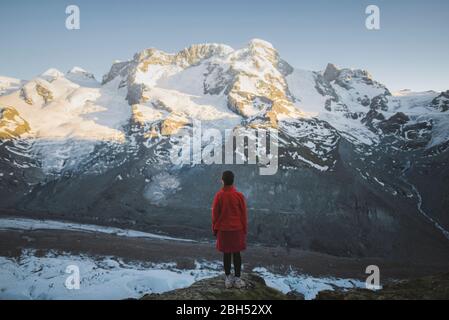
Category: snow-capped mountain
[354,158]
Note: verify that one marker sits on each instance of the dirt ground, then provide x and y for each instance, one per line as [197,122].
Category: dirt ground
[275,259]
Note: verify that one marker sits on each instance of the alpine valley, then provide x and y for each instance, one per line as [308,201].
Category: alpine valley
[363,172]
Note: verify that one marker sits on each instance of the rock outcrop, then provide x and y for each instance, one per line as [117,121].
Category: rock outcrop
[441,102]
[331,73]
[213,289]
[11,124]
[427,288]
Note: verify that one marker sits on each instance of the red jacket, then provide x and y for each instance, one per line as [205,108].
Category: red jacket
[229,210]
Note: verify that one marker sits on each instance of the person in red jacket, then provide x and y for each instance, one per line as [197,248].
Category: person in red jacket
[230,226]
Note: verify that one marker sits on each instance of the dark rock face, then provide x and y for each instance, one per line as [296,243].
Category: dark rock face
[371,117]
[117,69]
[213,289]
[296,208]
[417,135]
[427,288]
[331,73]
[379,103]
[365,101]
[394,124]
[441,102]
[412,136]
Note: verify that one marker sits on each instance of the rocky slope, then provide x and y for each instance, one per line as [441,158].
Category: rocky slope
[427,288]
[361,171]
[213,289]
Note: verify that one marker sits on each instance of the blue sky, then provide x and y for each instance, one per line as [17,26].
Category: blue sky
[410,51]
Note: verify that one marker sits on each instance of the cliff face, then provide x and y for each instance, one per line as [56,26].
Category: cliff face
[213,289]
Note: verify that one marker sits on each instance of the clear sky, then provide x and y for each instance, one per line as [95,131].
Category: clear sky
[410,51]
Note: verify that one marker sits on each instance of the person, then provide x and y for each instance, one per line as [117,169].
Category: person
[229,225]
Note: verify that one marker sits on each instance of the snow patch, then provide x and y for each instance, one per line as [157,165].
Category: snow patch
[161,186]
[307,285]
[31,224]
[31,277]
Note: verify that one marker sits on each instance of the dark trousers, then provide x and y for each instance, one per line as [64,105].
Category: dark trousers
[227,257]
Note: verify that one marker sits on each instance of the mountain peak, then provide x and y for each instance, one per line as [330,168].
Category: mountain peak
[441,102]
[77,70]
[260,43]
[51,74]
[186,57]
[80,76]
[197,52]
[331,73]
[263,48]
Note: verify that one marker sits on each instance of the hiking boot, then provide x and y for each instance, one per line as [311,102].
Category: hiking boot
[229,282]
[239,283]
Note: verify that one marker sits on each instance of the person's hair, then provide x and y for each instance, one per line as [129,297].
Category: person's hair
[228,178]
